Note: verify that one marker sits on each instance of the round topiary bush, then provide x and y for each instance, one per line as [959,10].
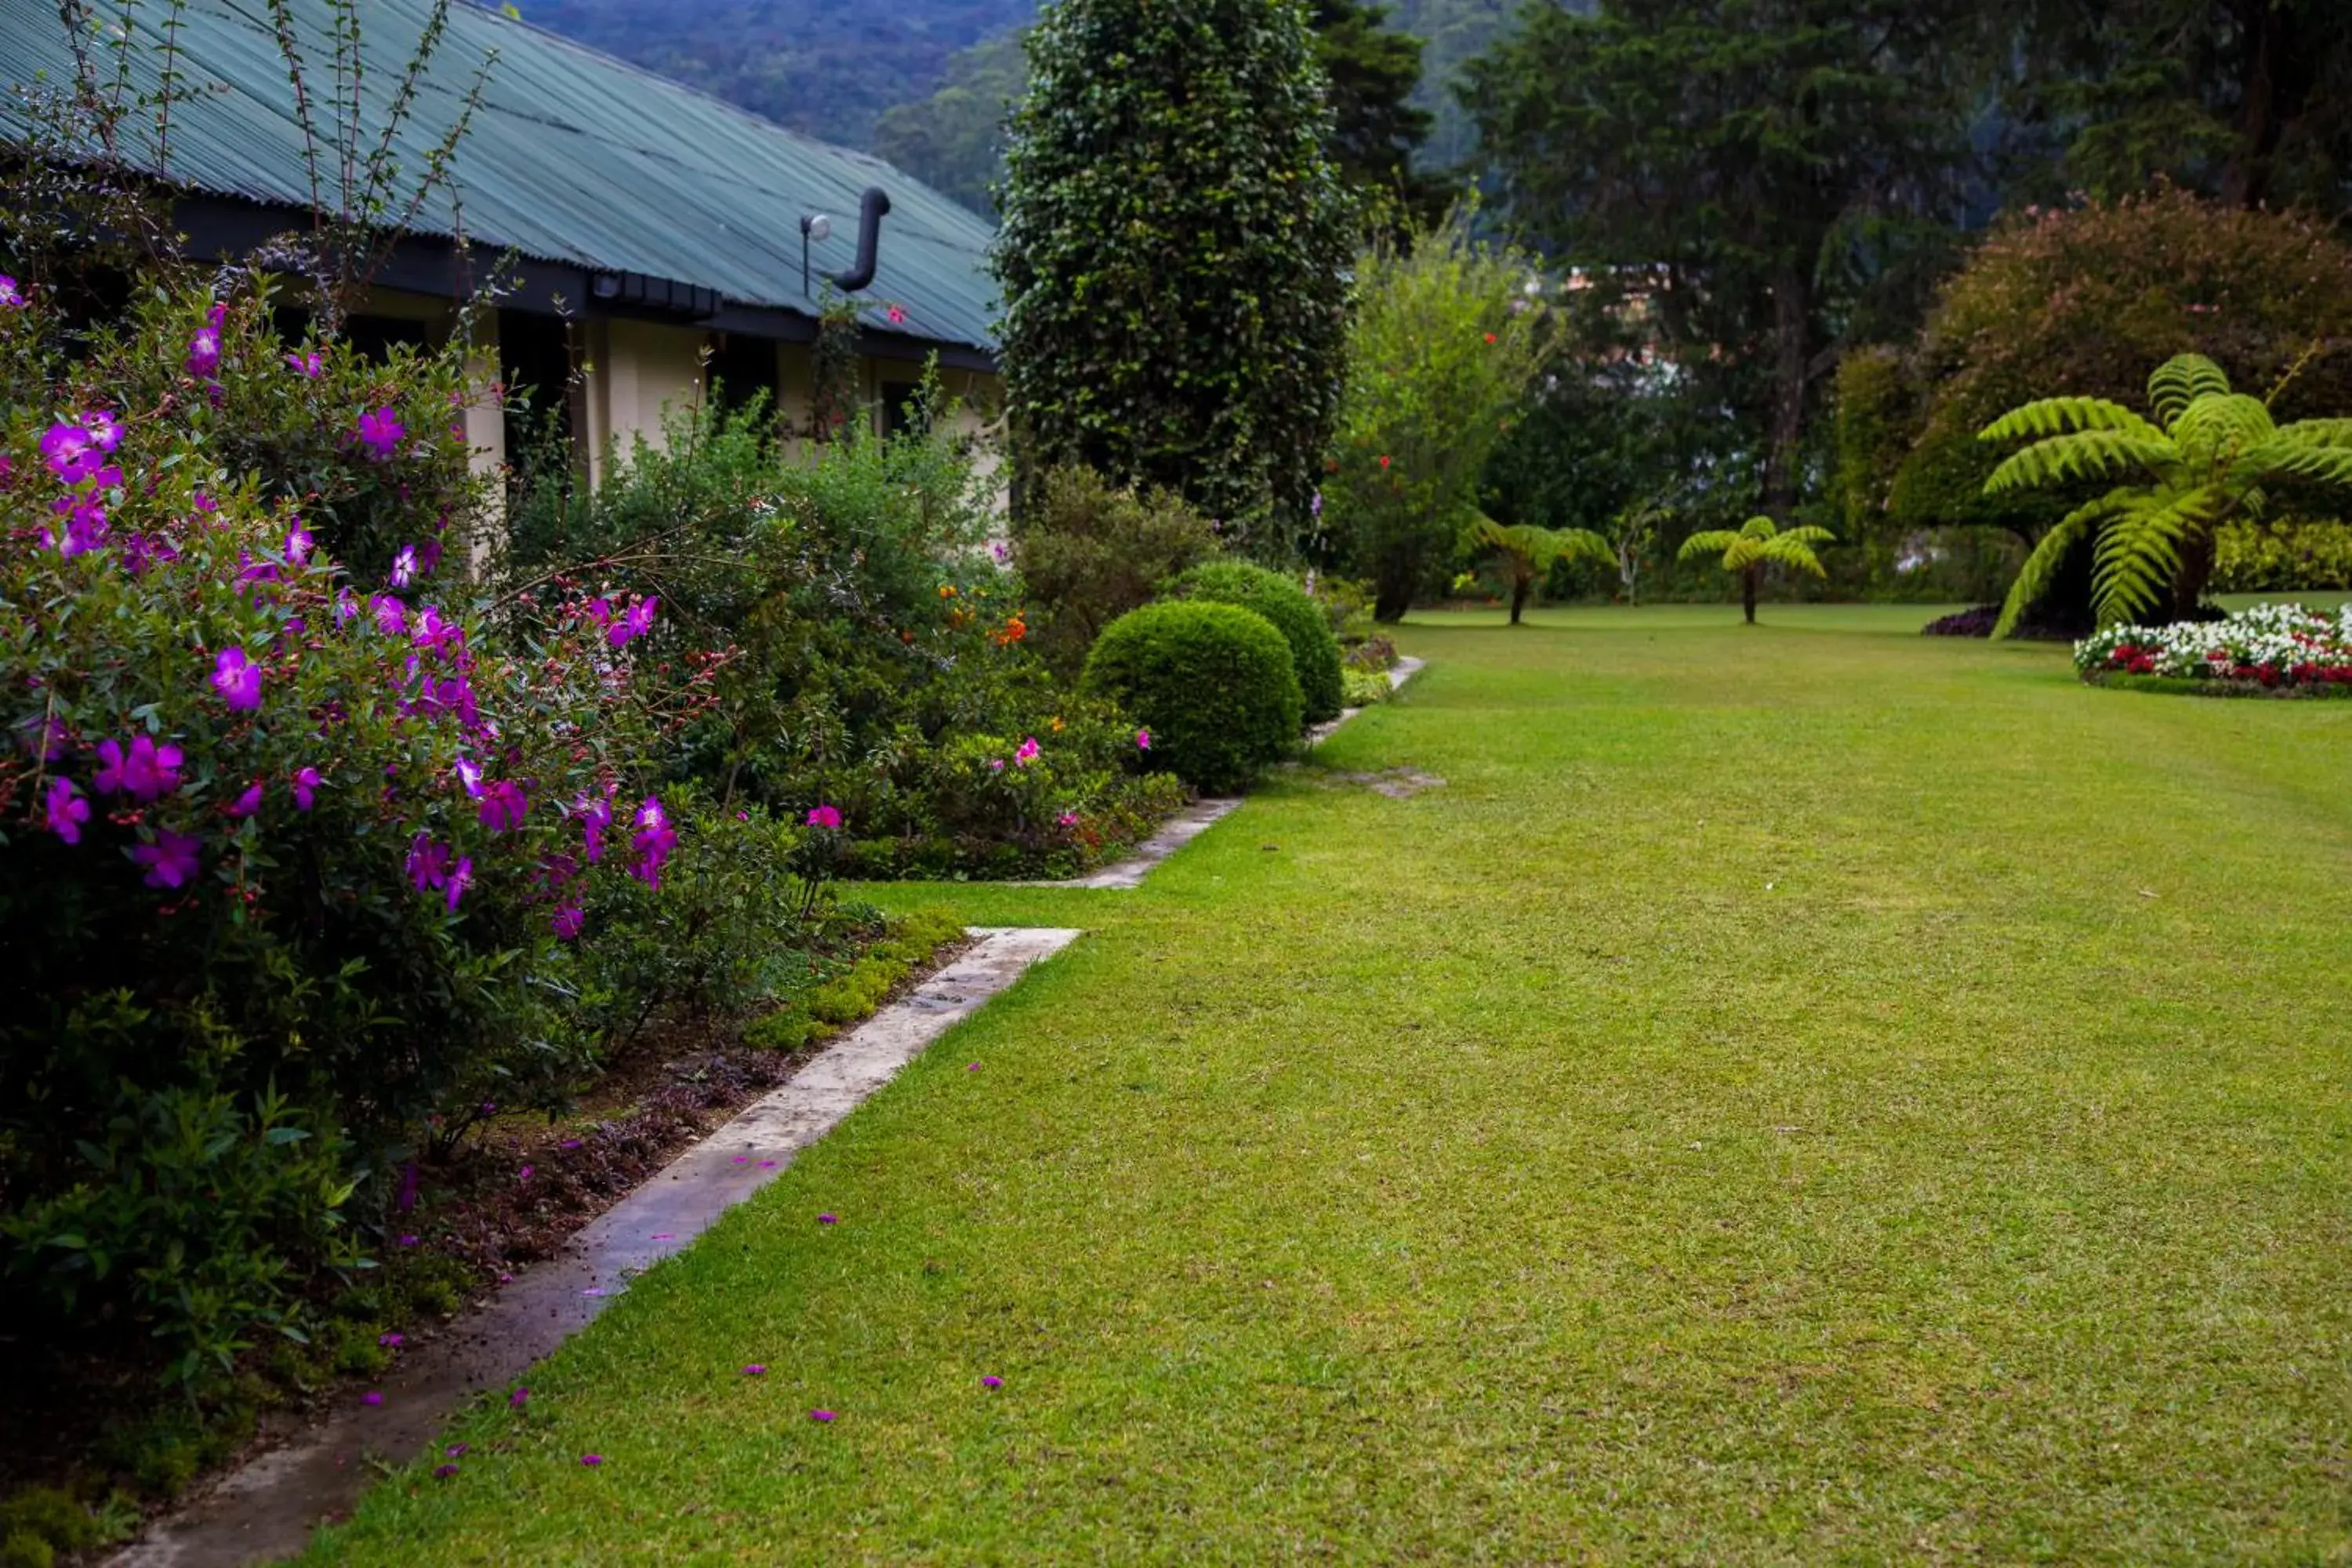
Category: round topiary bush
[1212,685]
[1314,651]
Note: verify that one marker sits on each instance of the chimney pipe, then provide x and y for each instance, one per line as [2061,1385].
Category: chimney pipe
[870,208]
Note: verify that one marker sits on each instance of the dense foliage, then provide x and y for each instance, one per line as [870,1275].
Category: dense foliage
[1173,257]
[1087,553]
[294,852]
[1212,684]
[1314,647]
[1448,334]
[860,647]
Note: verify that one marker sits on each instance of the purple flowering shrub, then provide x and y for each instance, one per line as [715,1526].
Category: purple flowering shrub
[292,854]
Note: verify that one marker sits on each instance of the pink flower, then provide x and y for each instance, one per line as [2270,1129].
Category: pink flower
[298,545]
[171,861]
[403,566]
[1028,752]
[379,433]
[306,786]
[304,363]
[246,803]
[104,429]
[68,810]
[633,622]
[824,817]
[72,453]
[391,616]
[237,679]
[432,629]
[755,1369]
[1143,740]
[992,1381]
[996,765]
[592,1461]
[1069,820]
[392,1342]
[897,315]
[461,876]
[821,1414]
[518,1399]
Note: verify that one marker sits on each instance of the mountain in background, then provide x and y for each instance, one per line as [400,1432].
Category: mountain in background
[925,83]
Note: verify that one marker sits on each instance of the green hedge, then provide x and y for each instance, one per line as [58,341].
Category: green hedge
[1211,684]
[1314,650]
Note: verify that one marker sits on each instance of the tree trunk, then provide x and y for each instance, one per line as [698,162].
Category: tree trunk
[2197,561]
[1747,577]
[2271,93]
[1521,584]
[1792,321]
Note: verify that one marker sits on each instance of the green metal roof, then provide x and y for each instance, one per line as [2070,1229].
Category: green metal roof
[574,157]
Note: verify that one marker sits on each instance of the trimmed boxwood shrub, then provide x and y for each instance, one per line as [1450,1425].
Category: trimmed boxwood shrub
[1211,684]
[1314,650]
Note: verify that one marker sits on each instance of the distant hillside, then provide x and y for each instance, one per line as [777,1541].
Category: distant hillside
[924,82]
[828,70]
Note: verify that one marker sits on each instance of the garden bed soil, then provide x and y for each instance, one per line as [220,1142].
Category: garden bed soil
[512,1196]
[2186,686]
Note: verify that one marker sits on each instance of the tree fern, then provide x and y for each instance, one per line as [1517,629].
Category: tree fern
[1759,542]
[1528,553]
[2214,459]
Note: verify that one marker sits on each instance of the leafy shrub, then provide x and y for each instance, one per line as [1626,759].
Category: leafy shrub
[1088,552]
[1212,684]
[290,853]
[2289,554]
[857,649]
[1362,688]
[50,1516]
[1314,650]
[23,1549]
[909,940]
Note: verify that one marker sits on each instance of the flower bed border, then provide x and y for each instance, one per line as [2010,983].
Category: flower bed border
[2190,686]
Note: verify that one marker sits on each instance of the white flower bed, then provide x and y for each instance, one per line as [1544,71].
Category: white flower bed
[2270,645]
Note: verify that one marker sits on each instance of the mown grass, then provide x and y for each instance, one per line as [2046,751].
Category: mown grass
[1799,1094]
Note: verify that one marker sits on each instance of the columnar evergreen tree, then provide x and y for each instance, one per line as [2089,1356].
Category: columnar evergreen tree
[1173,255]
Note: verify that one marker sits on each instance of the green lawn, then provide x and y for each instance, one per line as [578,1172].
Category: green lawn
[1799,1094]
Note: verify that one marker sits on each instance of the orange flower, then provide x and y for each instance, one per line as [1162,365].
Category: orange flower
[947,591]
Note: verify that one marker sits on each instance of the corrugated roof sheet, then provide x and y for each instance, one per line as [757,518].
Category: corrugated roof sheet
[574,157]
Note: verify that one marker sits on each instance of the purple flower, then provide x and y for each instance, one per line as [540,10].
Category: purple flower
[1069,820]
[428,863]
[470,776]
[103,431]
[991,1383]
[391,616]
[767,1164]
[403,566]
[237,679]
[824,817]
[11,297]
[1028,752]
[346,609]
[205,503]
[298,543]
[828,1219]
[461,876]
[595,816]
[304,363]
[1143,740]
[996,765]
[526,1173]
[443,1472]
[567,922]
[407,1241]
[372,1398]
[654,840]
[379,433]
[821,1414]
[71,452]
[68,810]
[147,773]
[455,1450]
[392,1342]
[432,629]
[592,1461]
[246,803]
[405,1198]
[203,352]
[518,1399]
[755,1369]
[306,787]
[635,622]
[86,524]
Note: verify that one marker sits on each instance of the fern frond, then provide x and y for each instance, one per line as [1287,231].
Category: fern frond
[2049,554]
[1758,528]
[2280,457]
[1789,551]
[2065,416]
[1709,541]
[2138,554]
[2213,428]
[2319,432]
[2181,381]
[1809,534]
[2087,454]
[1583,544]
